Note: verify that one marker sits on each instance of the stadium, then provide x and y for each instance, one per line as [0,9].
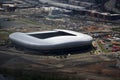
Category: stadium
[51,40]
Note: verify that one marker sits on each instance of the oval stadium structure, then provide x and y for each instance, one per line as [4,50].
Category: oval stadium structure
[50,40]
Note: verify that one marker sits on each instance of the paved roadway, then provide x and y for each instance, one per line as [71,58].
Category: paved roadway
[62,5]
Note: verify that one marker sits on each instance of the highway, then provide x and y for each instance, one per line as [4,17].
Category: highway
[62,5]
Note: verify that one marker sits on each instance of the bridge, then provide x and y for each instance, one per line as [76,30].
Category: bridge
[63,5]
[82,10]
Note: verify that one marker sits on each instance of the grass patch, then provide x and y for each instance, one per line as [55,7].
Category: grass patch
[28,21]
[35,75]
[116,29]
[4,37]
[103,49]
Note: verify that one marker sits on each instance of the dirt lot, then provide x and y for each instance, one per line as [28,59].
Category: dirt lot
[91,67]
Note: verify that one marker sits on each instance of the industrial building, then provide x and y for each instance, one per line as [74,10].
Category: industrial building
[83,10]
[7,6]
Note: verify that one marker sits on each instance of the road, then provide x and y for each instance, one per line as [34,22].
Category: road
[62,5]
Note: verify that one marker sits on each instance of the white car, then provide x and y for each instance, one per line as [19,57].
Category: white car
[50,40]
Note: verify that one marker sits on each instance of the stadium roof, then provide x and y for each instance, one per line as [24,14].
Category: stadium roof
[56,39]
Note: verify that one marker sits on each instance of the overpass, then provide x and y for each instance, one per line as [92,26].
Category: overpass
[82,10]
[62,5]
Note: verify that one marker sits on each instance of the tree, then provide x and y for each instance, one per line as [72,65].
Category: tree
[100,1]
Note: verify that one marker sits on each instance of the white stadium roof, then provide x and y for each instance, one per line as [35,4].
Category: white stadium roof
[48,40]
